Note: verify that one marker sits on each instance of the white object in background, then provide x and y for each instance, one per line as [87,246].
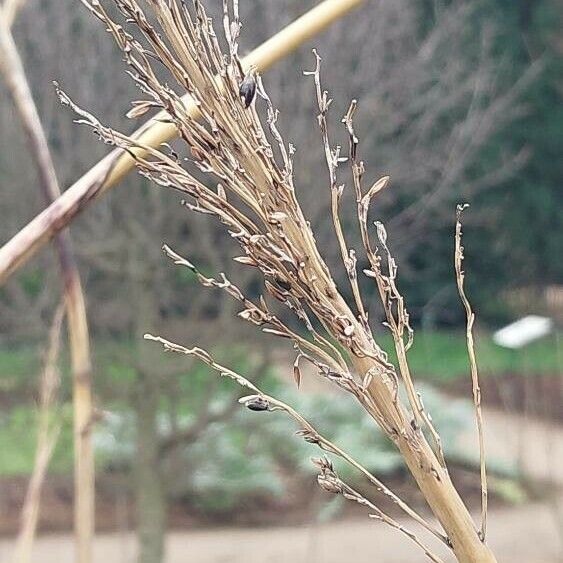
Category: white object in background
[523,331]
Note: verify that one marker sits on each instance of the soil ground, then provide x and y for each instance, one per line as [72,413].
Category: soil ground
[526,534]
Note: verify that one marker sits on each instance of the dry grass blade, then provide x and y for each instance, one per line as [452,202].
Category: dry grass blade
[460,278]
[48,429]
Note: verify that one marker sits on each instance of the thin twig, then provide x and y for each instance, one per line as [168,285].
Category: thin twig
[48,431]
[333,159]
[460,277]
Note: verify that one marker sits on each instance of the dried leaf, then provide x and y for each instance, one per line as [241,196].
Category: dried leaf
[297,372]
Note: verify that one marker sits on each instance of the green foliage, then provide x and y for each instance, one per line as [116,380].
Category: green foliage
[32,282]
[442,356]
[18,367]
[251,455]
[522,241]
[514,230]
[18,436]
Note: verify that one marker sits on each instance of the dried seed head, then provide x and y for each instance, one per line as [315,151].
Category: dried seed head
[329,484]
[256,403]
[323,463]
[247,260]
[247,89]
[139,108]
[284,284]
[308,436]
[297,372]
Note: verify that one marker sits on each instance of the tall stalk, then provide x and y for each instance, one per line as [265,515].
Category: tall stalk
[250,190]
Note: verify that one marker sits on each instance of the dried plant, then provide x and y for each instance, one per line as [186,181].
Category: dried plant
[470,315]
[111,169]
[250,190]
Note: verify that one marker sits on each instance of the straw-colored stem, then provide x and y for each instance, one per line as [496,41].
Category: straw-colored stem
[432,479]
[18,87]
[111,169]
[476,389]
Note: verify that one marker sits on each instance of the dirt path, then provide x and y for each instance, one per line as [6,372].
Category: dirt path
[518,442]
[526,534]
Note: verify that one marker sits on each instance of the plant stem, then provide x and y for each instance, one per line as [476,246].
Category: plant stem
[18,87]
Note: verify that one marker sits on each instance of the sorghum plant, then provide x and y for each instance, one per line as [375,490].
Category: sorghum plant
[250,190]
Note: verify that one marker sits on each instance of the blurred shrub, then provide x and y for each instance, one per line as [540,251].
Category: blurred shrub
[257,455]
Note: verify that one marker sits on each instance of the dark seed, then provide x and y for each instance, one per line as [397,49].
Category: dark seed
[247,90]
[284,284]
[311,439]
[257,404]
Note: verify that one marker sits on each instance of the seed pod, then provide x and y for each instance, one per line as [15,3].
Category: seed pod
[257,404]
[247,89]
[247,260]
[297,372]
[283,284]
[139,108]
[329,485]
[311,439]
